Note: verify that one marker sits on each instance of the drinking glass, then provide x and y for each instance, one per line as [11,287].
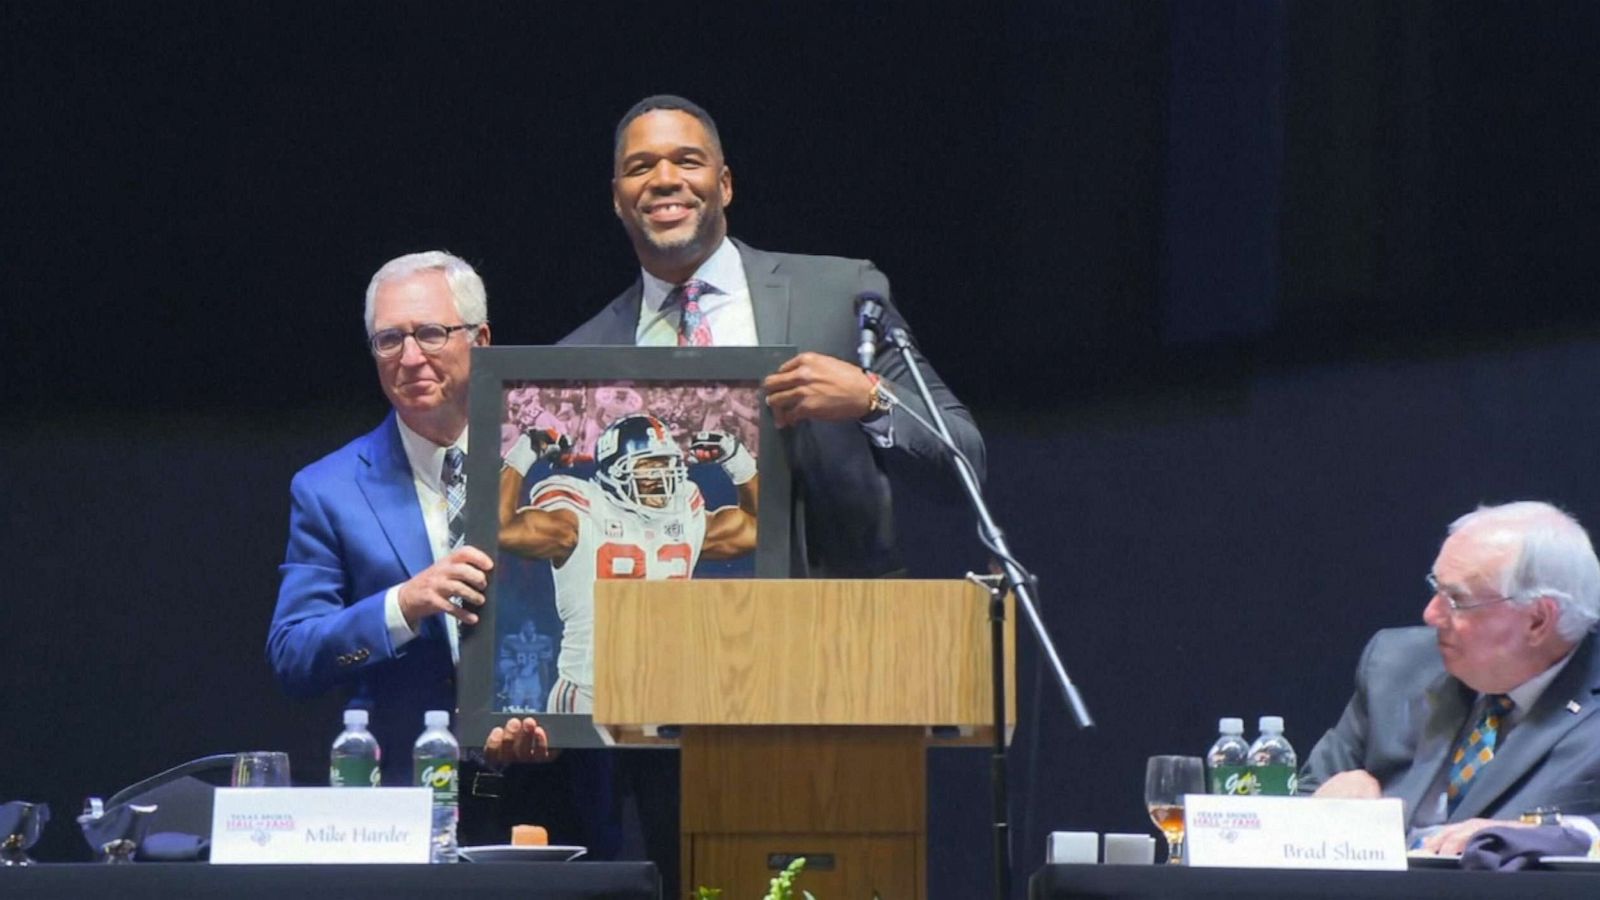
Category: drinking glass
[20,825]
[261,768]
[1166,780]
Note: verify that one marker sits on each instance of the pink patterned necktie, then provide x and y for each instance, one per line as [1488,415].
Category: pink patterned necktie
[693,329]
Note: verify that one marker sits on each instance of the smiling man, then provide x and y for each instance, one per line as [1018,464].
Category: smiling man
[1489,713]
[697,287]
[375,578]
[670,188]
[377,575]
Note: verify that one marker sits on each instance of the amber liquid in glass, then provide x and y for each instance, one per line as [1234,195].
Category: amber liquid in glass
[1169,818]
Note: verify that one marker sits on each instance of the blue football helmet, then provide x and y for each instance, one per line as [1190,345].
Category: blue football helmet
[658,488]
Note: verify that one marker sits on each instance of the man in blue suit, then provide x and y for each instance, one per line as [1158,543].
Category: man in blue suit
[376,575]
[376,579]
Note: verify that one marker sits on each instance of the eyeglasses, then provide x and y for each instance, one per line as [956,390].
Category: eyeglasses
[1458,605]
[430,336]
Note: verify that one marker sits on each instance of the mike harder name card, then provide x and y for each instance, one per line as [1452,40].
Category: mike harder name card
[1293,832]
[321,825]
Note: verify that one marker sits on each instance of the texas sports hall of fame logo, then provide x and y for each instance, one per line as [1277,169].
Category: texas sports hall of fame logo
[260,826]
[1227,824]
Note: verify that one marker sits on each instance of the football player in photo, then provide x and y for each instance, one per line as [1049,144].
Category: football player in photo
[638,516]
[523,667]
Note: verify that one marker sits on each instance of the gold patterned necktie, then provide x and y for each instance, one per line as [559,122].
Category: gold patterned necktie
[1477,747]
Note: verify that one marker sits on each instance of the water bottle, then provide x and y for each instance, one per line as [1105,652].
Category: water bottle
[353,762]
[434,760]
[1228,760]
[1272,760]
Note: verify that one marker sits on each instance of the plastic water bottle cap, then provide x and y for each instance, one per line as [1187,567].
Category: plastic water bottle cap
[436,718]
[1230,726]
[1271,723]
[355,718]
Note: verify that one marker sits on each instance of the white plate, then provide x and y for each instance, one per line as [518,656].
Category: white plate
[1432,861]
[525,853]
[1570,863]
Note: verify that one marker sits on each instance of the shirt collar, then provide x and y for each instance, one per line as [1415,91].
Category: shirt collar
[426,457]
[1527,693]
[723,270]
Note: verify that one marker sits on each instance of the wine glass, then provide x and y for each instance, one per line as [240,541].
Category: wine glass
[20,825]
[1166,780]
[261,768]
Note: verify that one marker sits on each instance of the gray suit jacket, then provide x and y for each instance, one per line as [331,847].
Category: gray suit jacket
[1403,721]
[843,517]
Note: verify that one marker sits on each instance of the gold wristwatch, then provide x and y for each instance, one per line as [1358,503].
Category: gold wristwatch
[877,398]
[1541,815]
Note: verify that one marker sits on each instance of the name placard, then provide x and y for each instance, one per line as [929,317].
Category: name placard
[321,825]
[1255,832]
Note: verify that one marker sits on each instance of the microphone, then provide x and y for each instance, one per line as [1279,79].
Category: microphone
[869,317]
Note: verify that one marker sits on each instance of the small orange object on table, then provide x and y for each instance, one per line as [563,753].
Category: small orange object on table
[529,836]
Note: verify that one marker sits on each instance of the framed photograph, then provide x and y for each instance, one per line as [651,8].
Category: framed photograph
[606,462]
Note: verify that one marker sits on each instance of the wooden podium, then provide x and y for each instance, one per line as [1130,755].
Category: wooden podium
[805,708]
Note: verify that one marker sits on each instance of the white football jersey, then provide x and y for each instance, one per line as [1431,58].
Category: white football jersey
[613,542]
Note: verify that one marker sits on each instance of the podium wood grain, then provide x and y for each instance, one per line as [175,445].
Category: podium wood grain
[799,779]
[795,652]
[804,707]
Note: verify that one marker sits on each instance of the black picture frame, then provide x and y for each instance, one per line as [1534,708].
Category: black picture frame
[495,671]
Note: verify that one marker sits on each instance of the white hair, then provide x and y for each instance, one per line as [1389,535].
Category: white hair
[466,288]
[1555,559]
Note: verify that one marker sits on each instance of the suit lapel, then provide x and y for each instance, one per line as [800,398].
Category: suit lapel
[1448,703]
[1527,743]
[622,323]
[385,480]
[769,294]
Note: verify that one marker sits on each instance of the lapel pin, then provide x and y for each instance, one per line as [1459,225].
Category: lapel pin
[1573,707]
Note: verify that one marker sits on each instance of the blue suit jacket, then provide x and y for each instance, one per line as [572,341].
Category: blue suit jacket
[1407,710]
[356,530]
[843,513]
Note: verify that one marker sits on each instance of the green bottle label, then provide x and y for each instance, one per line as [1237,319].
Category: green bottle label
[1275,780]
[1236,780]
[440,774]
[354,772]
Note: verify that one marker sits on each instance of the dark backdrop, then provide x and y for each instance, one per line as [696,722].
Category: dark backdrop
[1251,298]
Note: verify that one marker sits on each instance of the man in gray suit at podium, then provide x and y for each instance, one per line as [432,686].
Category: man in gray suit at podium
[698,287]
[1494,711]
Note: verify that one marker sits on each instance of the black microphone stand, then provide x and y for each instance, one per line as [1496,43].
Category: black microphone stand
[1013,578]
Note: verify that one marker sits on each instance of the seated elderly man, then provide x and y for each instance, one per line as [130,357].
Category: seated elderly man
[1490,713]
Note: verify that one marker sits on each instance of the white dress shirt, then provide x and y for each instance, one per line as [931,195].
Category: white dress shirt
[725,304]
[427,463]
[728,311]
